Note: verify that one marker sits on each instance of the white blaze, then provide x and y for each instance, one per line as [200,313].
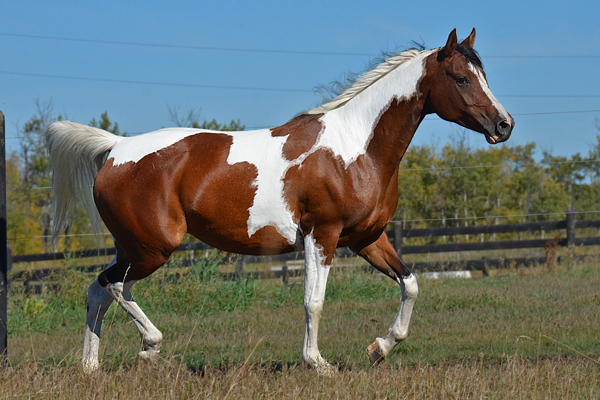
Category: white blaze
[486,89]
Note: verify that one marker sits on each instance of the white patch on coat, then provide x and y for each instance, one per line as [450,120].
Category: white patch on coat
[348,130]
[265,152]
[133,149]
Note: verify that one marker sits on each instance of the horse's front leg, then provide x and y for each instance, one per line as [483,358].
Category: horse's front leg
[318,257]
[382,256]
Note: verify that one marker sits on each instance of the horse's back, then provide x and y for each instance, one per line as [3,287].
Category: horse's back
[189,181]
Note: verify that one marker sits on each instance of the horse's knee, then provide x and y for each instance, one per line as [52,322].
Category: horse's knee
[314,307]
[410,287]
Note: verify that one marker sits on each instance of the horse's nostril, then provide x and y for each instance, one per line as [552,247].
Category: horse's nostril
[503,127]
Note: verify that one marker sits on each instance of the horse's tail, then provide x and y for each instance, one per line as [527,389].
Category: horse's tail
[76,153]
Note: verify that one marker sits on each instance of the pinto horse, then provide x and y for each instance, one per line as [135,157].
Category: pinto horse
[326,179]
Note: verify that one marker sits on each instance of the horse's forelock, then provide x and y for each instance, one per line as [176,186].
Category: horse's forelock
[470,54]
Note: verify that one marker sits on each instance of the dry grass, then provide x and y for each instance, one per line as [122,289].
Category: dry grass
[513,378]
[469,339]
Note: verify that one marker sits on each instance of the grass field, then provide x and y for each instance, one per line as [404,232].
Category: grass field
[488,338]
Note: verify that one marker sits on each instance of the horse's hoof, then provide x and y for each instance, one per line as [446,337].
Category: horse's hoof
[327,370]
[90,366]
[322,367]
[149,354]
[375,354]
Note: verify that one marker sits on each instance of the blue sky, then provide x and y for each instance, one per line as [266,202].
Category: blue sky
[550,50]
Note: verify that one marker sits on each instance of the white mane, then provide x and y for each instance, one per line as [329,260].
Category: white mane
[366,80]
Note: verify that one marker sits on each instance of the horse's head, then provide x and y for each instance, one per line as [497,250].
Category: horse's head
[460,93]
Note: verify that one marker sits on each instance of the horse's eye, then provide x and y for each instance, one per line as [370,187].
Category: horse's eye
[462,80]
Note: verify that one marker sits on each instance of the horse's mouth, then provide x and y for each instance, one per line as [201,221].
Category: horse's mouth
[492,139]
[496,138]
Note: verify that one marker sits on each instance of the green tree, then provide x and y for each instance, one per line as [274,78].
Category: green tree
[29,179]
[592,172]
[106,124]
[418,186]
[33,187]
[569,173]
[458,185]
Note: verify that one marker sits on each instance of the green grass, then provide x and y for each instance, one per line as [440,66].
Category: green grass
[497,329]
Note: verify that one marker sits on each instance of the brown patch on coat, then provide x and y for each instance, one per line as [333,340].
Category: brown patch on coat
[302,133]
[187,187]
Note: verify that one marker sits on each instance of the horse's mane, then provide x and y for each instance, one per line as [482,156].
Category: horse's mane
[339,93]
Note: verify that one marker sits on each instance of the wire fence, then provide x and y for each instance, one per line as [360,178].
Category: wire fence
[261,50]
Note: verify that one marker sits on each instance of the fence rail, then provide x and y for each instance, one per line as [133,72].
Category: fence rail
[396,235]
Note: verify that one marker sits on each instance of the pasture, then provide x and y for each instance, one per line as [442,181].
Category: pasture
[485,338]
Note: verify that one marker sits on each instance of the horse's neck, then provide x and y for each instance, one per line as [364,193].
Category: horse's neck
[394,132]
[380,121]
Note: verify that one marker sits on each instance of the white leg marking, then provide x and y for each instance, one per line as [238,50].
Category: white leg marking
[151,337]
[315,282]
[98,302]
[399,329]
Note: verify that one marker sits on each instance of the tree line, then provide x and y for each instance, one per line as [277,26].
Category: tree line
[456,184]
[29,179]
[459,185]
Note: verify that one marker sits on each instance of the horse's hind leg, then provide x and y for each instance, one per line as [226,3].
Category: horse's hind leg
[382,256]
[117,282]
[150,335]
[112,285]
[98,302]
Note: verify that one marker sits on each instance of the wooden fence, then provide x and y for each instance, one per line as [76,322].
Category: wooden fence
[3,245]
[566,237]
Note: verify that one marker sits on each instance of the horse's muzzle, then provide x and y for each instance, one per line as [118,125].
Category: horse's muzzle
[502,131]
[504,128]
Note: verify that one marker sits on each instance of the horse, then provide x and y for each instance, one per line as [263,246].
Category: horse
[328,178]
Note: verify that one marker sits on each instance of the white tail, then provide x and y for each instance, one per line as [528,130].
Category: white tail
[77,154]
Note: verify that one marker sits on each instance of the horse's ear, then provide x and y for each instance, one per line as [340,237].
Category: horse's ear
[451,44]
[470,40]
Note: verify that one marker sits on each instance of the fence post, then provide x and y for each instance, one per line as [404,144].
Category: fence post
[240,268]
[398,237]
[8,260]
[284,274]
[570,228]
[3,246]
